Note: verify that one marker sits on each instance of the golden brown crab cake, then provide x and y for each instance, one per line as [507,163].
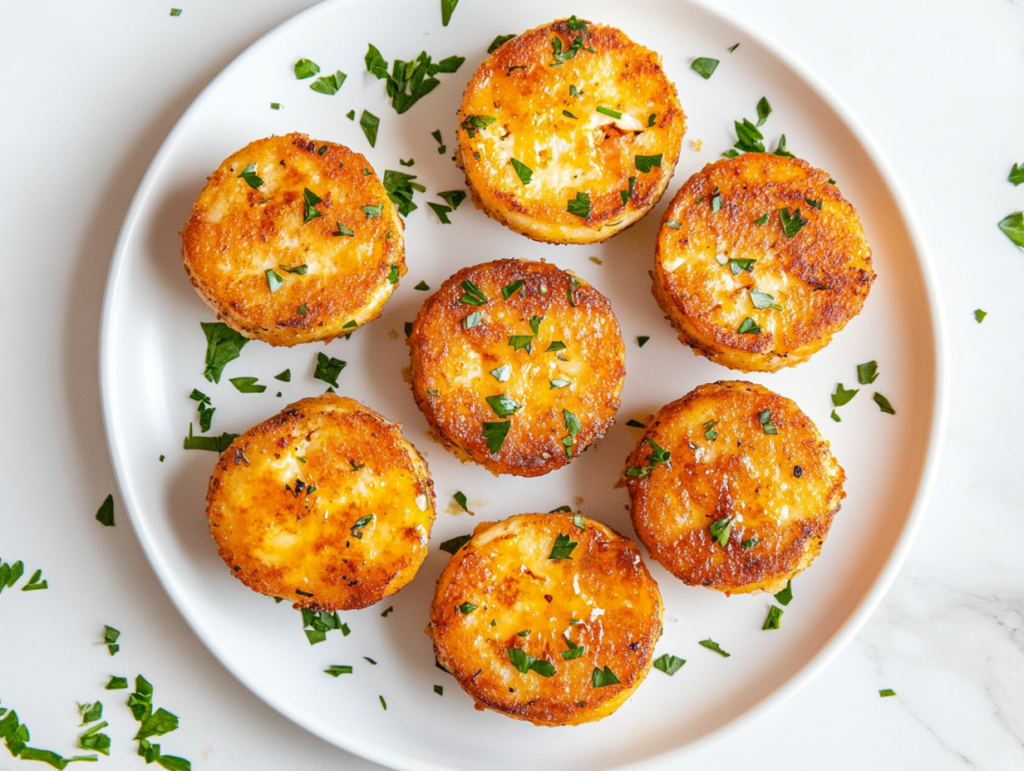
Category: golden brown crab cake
[760,260]
[324,504]
[733,488]
[550,618]
[294,240]
[569,132]
[517,365]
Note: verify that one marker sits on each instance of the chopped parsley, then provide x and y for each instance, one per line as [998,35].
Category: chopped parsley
[763,111]
[175,12]
[342,230]
[635,424]
[751,542]
[502,373]
[422,286]
[668,663]
[867,373]
[559,383]
[883,404]
[979,315]
[568,114]
[338,669]
[658,455]
[711,645]
[116,683]
[886,692]
[600,678]
[766,422]
[205,409]
[1016,175]
[473,294]
[393,274]
[815,202]
[474,319]
[524,662]
[749,327]
[329,84]
[223,345]
[360,524]
[328,368]
[556,345]
[475,123]
[791,222]
[780,149]
[453,197]
[304,68]
[762,220]
[495,434]
[439,690]
[460,498]
[503,406]
[843,395]
[709,430]
[373,212]
[644,163]
[384,615]
[247,385]
[761,300]
[499,41]
[572,425]
[774,618]
[275,105]
[212,443]
[642,340]
[786,595]
[580,205]
[513,288]
[704,66]
[369,123]
[274,281]
[628,192]
[408,82]
[441,211]
[383,703]
[574,651]
[563,547]
[674,224]
[250,176]
[720,530]
[467,607]
[453,545]
[609,112]
[521,342]
[310,212]
[447,9]
[524,172]
[835,417]
[400,187]
[562,56]
[740,265]
[105,513]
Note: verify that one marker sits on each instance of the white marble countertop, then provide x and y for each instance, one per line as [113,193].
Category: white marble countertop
[87,93]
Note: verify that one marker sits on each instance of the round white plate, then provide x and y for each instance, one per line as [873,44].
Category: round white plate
[153,351]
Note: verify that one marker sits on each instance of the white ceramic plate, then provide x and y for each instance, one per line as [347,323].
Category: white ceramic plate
[153,349]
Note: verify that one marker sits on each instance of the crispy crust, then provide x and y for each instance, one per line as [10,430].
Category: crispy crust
[281,542]
[504,570]
[451,365]
[744,474]
[821,276]
[237,233]
[592,154]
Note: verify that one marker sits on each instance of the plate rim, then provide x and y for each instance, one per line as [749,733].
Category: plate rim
[828,651]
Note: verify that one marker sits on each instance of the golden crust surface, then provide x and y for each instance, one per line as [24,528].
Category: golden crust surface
[591,152]
[505,571]
[819,277]
[237,233]
[324,504]
[455,369]
[778,492]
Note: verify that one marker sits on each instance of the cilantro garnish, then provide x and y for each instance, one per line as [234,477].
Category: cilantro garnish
[400,187]
[563,547]
[304,68]
[495,434]
[867,373]
[408,82]
[441,211]
[310,212]
[600,678]
[580,205]
[212,443]
[720,530]
[766,422]
[791,222]
[524,662]
[334,670]
[247,385]
[328,368]
[329,84]
[574,651]
[883,404]
[524,172]
[223,345]
[503,406]
[748,327]
[474,123]
[369,123]
[473,294]
[843,395]
[249,175]
[644,163]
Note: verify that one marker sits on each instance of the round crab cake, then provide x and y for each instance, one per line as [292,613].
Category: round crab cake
[733,488]
[324,504]
[294,240]
[569,132]
[550,618]
[760,260]
[517,365]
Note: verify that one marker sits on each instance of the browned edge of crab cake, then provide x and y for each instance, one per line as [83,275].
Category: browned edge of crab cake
[502,603]
[594,125]
[725,262]
[325,504]
[278,265]
[517,365]
[721,501]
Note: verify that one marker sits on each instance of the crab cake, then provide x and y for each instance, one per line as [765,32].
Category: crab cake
[294,240]
[569,133]
[550,618]
[760,260]
[324,504]
[517,365]
[733,488]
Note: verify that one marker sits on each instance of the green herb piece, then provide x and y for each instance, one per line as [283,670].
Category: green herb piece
[175,12]
[474,295]
[502,373]
[641,341]
[310,199]
[574,651]
[644,163]
[329,85]
[713,646]
[441,211]
[35,584]
[408,82]
[502,405]
[393,274]
[751,542]
[410,162]
[704,66]
[385,615]
[474,319]
[513,288]
[867,373]
[455,544]
[886,692]
[275,105]
[422,286]
[572,425]
[774,618]
[733,47]
[720,530]
[524,633]
[738,266]
[328,368]
[761,300]
[535,322]
[213,443]
[334,670]
[979,315]
[748,137]
[709,431]
[439,690]
[674,224]
[298,270]
[223,345]
[475,123]
[668,663]
[453,197]
[716,202]
[247,385]
[304,68]
[835,417]
[524,172]
[369,124]
[499,41]
[609,112]
[466,608]
[460,498]
[521,342]
[658,456]
[562,56]
[1016,175]
[763,110]
[558,383]
[786,595]
[9,574]
[274,281]
[766,422]
[883,404]
[568,114]
[495,434]
[791,223]
[447,9]
[362,522]
[749,327]
[563,548]
[524,662]
[628,192]
[843,395]
[577,521]
[651,119]
[105,514]
[249,175]
[762,220]
[635,424]
[601,678]
[116,683]
[556,345]
[580,205]
[302,310]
